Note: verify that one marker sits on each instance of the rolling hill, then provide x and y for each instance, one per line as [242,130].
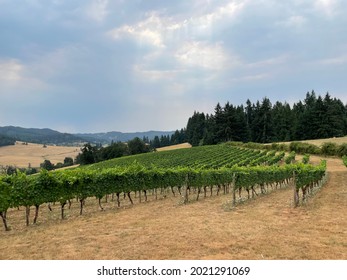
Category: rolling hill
[115,136]
[50,136]
[40,136]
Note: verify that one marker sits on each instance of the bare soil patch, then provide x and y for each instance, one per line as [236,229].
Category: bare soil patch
[21,155]
[267,227]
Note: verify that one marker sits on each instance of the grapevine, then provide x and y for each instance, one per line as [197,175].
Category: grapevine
[344,159]
[230,169]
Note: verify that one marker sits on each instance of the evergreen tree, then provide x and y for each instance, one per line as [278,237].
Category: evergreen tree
[309,124]
[209,133]
[298,129]
[219,124]
[266,121]
[241,129]
[229,122]
[249,120]
[313,118]
[257,123]
[175,138]
[183,135]
[145,139]
[282,122]
[165,140]
[318,122]
[334,114]
[262,123]
[156,142]
[195,129]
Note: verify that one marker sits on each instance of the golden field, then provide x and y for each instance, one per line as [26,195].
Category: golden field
[21,155]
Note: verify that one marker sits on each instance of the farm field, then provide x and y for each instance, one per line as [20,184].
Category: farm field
[21,155]
[265,228]
[175,147]
[319,142]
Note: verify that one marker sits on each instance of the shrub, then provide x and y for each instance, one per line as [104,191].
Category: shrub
[342,150]
[279,147]
[344,159]
[304,148]
[329,149]
[47,165]
[235,143]
[252,145]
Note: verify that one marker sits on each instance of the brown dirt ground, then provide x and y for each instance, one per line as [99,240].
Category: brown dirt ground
[21,155]
[267,227]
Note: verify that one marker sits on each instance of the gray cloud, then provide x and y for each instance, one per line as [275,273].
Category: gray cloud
[139,65]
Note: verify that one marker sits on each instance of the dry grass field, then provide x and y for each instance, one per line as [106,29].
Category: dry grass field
[319,142]
[267,227]
[175,147]
[21,155]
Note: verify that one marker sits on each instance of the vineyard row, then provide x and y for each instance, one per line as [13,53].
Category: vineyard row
[62,186]
[344,159]
[204,157]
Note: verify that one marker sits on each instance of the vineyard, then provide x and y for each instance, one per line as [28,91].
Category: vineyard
[344,159]
[188,173]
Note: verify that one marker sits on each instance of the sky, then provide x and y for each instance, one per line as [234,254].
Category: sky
[132,65]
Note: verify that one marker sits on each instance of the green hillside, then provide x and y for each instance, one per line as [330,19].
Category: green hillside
[204,157]
[41,136]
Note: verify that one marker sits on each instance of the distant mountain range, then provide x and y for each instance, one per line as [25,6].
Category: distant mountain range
[42,136]
[116,136]
[49,136]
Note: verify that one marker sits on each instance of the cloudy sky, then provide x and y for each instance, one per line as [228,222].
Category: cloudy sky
[132,65]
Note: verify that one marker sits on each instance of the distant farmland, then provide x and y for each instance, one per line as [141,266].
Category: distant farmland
[21,155]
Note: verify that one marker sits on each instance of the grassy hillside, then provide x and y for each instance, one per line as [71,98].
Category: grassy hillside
[203,157]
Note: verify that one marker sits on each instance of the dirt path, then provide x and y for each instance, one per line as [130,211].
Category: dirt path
[265,228]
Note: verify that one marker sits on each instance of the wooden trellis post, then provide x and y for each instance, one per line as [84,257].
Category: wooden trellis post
[296,191]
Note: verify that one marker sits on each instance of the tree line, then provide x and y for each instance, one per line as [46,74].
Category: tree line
[262,122]
[96,153]
[178,137]
[315,117]
[6,141]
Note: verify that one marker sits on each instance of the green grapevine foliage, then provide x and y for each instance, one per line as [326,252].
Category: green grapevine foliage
[200,167]
[344,159]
